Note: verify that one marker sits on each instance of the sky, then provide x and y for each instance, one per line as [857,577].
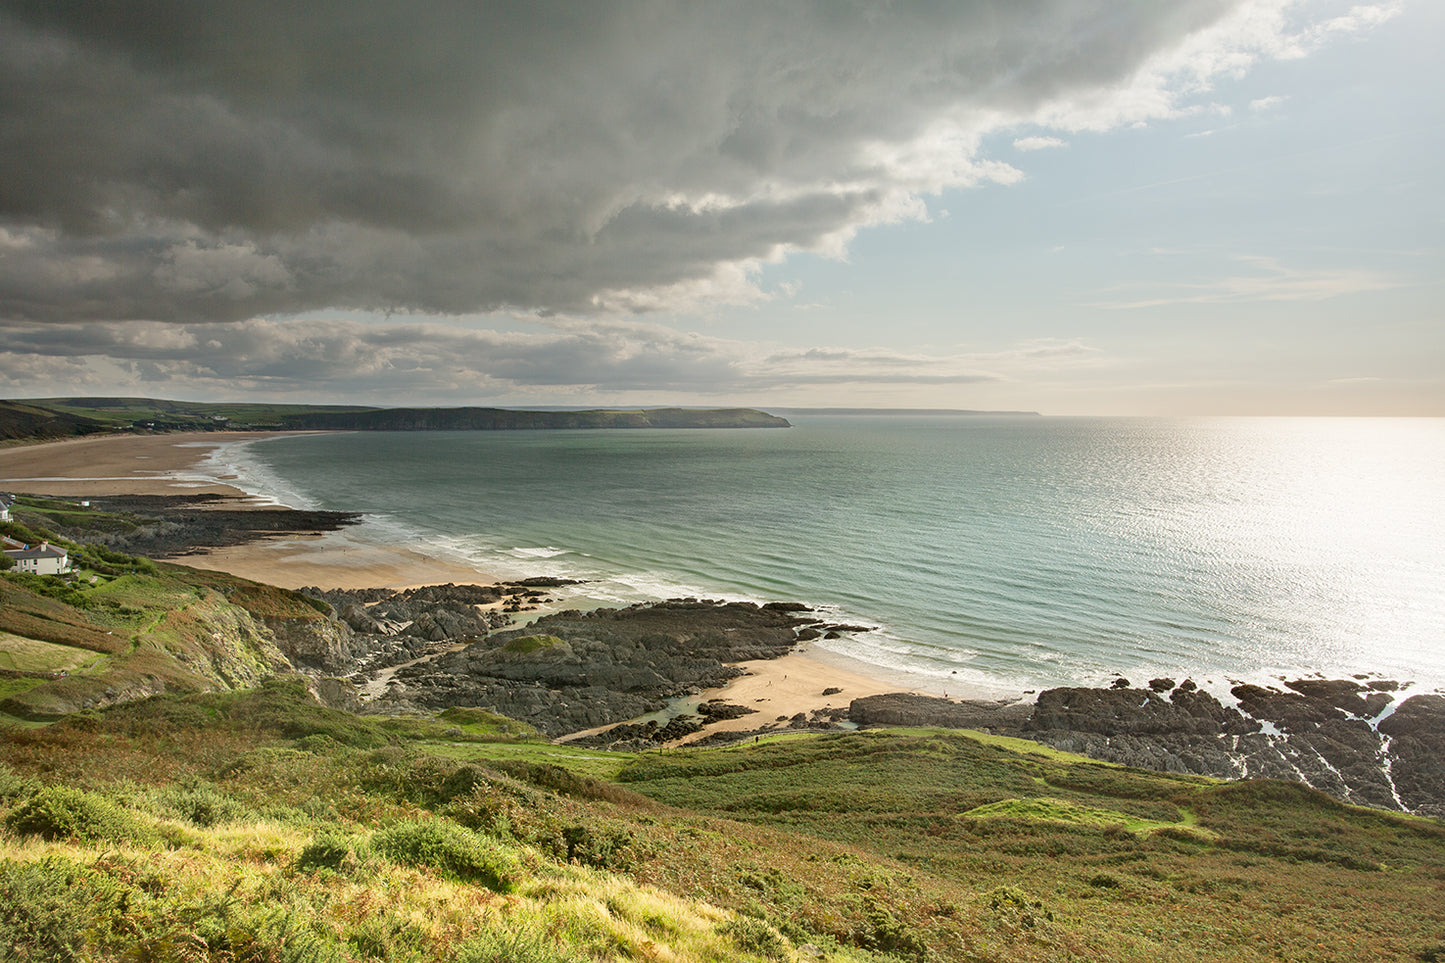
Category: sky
[1210,207]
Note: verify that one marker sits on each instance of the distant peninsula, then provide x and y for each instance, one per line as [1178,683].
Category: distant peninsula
[54,418]
[895,412]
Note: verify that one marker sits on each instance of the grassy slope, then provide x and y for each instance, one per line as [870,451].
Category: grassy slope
[125,626]
[256,815]
[860,844]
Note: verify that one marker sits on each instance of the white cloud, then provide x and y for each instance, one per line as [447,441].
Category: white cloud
[1038,143]
[1269,281]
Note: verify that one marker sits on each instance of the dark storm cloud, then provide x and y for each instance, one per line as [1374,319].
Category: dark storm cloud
[180,161]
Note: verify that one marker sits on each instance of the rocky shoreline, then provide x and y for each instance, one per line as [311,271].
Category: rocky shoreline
[180,525]
[571,670]
[1362,741]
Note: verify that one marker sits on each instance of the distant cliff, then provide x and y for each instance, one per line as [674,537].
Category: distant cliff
[497,419]
[46,418]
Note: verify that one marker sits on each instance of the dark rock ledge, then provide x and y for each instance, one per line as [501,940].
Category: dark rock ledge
[572,671]
[1351,739]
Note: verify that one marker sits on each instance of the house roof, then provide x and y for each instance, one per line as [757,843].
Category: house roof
[42,551]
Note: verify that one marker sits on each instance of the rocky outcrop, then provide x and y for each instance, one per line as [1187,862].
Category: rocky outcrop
[370,629]
[572,671]
[1336,735]
[168,526]
[905,709]
[1416,750]
[1351,739]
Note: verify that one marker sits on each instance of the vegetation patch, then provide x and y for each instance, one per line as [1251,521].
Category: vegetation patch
[18,654]
[60,813]
[1059,811]
[450,850]
[531,643]
[488,724]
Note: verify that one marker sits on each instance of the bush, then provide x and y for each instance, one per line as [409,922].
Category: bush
[604,848]
[60,812]
[206,807]
[44,913]
[514,812]
[514,946]
[448,849]
[266,936]
[327,851]
[13,785]
[755,936]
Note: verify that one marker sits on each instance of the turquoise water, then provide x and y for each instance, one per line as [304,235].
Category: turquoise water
[1005,552]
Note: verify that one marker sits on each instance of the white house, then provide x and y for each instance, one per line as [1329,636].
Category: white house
[46,559]
[5,502]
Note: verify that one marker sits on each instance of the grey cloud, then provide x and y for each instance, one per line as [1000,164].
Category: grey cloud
[409,361]
[176,161]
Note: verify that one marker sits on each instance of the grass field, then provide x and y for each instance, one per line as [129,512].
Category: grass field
[420,839]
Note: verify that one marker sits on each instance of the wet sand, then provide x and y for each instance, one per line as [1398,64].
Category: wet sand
[335,560]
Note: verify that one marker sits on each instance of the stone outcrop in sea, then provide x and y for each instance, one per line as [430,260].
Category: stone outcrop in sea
[1360,741]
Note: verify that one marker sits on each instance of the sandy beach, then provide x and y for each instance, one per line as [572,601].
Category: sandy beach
[118,465]
[172,464]
[779,689]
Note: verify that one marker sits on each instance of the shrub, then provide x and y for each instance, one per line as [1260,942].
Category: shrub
[510,812]
[206,807]
[13,785]
[272,935]
[43,911]
[755,936]
[605,848]
[1015,907]
[327,851]
[60,812]
[523,945]
[448,849]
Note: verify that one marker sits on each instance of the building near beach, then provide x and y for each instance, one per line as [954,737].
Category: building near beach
[5,502]
[45,559]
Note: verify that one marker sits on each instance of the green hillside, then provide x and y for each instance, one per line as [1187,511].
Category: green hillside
[49,418]
[257,825]
[207,807]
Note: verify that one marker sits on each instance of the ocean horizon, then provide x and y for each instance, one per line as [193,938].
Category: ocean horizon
[986,553]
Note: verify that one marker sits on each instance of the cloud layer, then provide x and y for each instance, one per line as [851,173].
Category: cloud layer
[163,160]
[436,362]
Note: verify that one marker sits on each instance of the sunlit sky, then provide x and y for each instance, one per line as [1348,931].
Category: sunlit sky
[1074,207]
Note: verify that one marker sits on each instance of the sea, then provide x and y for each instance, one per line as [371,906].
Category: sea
[983,553]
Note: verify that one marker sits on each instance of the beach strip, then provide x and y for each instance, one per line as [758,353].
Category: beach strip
[119,465]
[173,464]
